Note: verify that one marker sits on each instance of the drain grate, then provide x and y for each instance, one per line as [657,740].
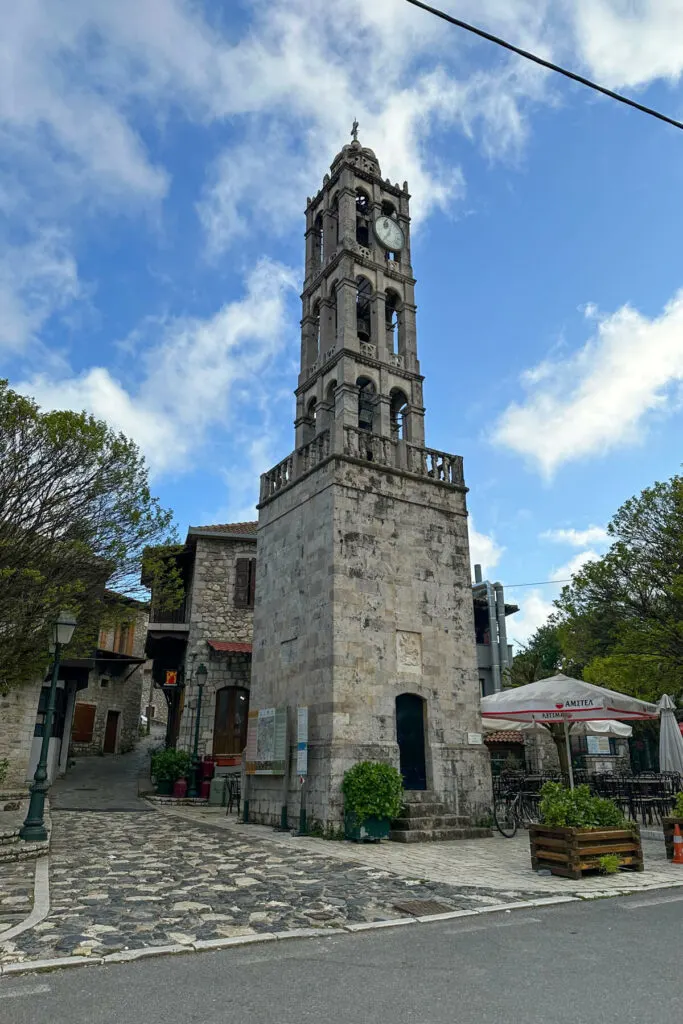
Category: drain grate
[421,908]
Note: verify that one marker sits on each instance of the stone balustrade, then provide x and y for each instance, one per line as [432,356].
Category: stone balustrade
[295,465]
[361,444]
[437,465]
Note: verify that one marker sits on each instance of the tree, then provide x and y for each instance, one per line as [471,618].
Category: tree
[76,515]
[540,657]
[622,615]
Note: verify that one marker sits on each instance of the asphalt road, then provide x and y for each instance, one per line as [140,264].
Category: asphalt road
[616,960]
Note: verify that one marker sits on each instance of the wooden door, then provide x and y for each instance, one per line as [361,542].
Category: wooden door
[230,721]
[110,731]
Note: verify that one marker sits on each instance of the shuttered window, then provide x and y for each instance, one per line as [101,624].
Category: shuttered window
[84,721]
[245,582]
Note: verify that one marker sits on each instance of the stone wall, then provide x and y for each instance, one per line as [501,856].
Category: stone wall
[121,692]
[214,616]
[153,695]
[363,593]
[17,724]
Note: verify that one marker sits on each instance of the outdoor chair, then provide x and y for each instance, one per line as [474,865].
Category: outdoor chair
[233,786]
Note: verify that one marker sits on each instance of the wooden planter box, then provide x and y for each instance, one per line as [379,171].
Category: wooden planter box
[668,824]
[371,831]
[571,852]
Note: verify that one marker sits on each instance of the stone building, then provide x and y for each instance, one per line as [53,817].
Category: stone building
[97,705]
[106,716]
[363,607]
[212,627]
[494,653]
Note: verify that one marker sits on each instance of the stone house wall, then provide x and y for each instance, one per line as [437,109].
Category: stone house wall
[121,692]
[17,724]
[214,616]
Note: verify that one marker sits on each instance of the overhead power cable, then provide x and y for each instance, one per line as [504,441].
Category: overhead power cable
[545,63]
[541,583]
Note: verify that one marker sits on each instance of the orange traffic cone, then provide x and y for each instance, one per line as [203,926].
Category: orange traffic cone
[678,845]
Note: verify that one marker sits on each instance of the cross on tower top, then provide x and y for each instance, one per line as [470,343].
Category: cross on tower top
[354,131]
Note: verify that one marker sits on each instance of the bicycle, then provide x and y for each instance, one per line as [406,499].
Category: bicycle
[512,809]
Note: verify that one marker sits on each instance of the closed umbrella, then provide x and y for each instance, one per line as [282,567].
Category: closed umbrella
[670,739]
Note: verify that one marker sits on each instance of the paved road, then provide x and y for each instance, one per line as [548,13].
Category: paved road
[107,783]
[610,961]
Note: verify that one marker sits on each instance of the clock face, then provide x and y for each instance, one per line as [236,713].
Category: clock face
[389,233]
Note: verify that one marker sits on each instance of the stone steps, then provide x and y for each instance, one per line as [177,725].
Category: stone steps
[430,821]
[437,834]
[424,818]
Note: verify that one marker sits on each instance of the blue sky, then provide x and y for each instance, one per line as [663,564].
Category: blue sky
[155,159]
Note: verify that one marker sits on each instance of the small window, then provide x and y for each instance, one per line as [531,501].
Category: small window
[245,582]
[362,218]
[104,683]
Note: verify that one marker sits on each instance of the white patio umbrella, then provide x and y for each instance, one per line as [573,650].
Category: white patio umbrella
[566,700]
[670,739]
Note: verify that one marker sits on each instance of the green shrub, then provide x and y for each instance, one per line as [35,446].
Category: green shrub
[577,808]
[372,790]
[170,765]
[609,863]
[678,806]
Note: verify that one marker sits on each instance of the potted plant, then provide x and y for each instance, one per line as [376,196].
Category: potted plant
[167,767]
[372,799]
[579,832]
[670,822]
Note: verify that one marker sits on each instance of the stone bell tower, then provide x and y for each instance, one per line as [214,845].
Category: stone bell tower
[363,606]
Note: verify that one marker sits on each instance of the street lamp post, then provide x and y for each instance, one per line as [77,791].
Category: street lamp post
[201,675]
[33,829]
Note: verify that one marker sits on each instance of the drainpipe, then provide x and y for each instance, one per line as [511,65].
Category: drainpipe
[502,629]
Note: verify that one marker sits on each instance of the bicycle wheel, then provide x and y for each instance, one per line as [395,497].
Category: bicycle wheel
[505,816]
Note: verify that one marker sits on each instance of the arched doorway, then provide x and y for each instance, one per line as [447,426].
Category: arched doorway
[410,736]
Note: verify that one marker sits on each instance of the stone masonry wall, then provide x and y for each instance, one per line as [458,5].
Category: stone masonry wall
[17,723]
[213,616]
[375,569]
[120,694]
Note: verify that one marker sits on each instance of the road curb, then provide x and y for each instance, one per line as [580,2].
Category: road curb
[41,902]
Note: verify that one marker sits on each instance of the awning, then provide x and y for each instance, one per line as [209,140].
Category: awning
[229,647]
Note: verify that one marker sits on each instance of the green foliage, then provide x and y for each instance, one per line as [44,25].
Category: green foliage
[542,656]
[622,615]
[678,807]
[4,770]
[609,863]
[372,790]
[76,515]
[561,807]
[170,765]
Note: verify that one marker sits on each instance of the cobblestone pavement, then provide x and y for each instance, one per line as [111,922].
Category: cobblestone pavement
[107,783]
[16,892]
[122,881]
[495,864]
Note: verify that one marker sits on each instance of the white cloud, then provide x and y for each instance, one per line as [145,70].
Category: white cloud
[37,280]
[484,550]
[566,571]
[534,609]
[630,43]
[195,373]
[598,398]
[578,538]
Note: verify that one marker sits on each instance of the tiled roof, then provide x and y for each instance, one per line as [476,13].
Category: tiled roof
[504,737]
[248,529]
[229,646]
